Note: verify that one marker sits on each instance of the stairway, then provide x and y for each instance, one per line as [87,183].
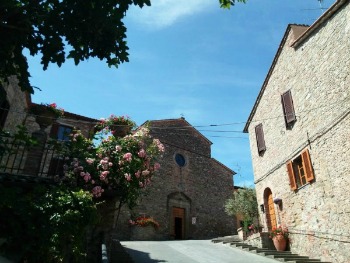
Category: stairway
[281,256]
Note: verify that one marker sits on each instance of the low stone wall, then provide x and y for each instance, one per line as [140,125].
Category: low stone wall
[260,240]
[143,233]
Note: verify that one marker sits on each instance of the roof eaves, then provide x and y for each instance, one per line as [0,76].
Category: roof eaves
[224,166]
[187,126]
[73,115]
[321,20]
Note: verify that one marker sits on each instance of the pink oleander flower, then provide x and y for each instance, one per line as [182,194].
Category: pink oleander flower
[90,160]
[137,174]
[142,153]
[159,145]
[118,148]
[87,177]
[97,191]
[104,163]
[103,175]
[127,157]
[127,177]
[156,166]
[145,172]
[141,184]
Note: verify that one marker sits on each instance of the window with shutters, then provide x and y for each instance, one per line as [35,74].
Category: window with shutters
[288,109]
[300,170]
[260,141]
[60,132]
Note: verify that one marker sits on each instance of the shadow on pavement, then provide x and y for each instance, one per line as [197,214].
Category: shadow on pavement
[121,254]
[140,256]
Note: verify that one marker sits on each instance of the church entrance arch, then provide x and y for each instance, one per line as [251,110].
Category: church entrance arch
[179,206]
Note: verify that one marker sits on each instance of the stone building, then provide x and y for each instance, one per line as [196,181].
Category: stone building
[188,193]
[40,160]
[300,138]
[13,104]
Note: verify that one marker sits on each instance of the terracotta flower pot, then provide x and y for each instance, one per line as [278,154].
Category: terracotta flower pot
[280,242]
[120,131]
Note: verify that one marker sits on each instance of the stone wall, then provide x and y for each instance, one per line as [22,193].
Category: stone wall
[200,187]
[19,102]
[317,72]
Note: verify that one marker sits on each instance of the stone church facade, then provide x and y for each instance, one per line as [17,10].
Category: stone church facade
[300,138]
[188,193]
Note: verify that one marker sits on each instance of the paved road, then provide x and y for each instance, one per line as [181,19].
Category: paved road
[189,251]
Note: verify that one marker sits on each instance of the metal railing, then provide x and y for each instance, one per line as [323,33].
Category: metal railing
[43,159]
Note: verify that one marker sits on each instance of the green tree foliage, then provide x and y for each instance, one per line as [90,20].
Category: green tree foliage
[228,3]
[60,29]
[243,202]
[45,223]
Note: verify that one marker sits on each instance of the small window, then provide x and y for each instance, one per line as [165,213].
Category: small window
[288,109]
[300,170]
[60,132]
[180,160]
[260,141]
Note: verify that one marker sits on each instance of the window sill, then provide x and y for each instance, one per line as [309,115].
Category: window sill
[303,186]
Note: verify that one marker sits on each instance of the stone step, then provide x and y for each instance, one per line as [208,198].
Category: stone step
[292,258]
[282,256]
[248,248]
[306,261]
[274,252]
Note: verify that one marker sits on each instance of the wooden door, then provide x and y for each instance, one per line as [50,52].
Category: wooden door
[178,223]
[270,210]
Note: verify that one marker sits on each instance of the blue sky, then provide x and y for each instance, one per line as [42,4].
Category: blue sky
[187,58]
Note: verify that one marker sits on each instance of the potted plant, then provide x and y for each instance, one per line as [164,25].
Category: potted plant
[144,221]
[279,237]
[119,126]
[143,228]
[254,228]
[45,114]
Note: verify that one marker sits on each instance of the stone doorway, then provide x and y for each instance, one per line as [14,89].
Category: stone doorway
[179,207]
[178,223]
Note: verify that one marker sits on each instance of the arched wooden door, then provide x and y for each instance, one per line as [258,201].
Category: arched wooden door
[270,209]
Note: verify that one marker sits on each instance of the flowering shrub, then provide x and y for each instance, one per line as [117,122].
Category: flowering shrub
[51,107]
[125,164]
[254,228]
[279,231]
[114,122]
[144,221]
